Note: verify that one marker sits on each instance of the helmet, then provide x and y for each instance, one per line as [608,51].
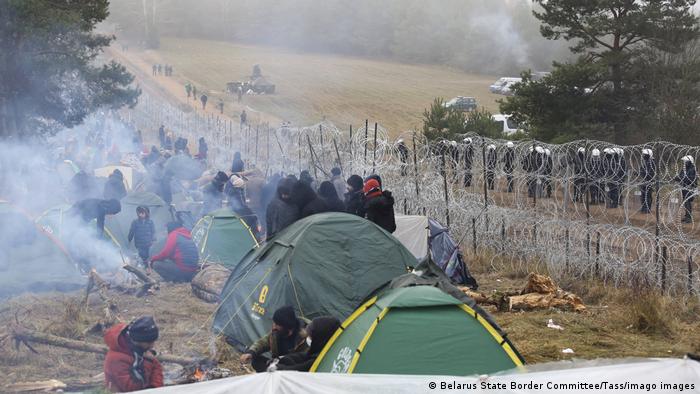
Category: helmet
[618,151]
[608,151]
[491,147]
[581,149]
[595,152]
[688,158]
[539,149]
[467,140]
[400,140]
[547,152]
[509,144]
[648,152]
[453,143]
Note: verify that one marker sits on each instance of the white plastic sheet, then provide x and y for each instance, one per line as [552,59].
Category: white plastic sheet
[632,376]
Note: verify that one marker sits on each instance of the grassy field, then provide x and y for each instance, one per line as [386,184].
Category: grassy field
[344,90]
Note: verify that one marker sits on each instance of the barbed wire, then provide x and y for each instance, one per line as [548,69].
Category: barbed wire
[576,207]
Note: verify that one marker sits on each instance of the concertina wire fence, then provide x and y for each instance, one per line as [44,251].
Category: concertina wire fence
[541,218]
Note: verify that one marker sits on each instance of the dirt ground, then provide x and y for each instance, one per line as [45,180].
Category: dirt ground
[310,87]
[618,323]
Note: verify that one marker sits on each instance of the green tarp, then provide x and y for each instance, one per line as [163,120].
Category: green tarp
[326,264]
[418,330]
[30,259]
[223,238]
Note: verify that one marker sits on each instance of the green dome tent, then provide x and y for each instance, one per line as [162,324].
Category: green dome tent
[325,264]
[31,259]
[117,226]
[222,237]
[417,330]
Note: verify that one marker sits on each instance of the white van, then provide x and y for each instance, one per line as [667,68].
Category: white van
[507,125]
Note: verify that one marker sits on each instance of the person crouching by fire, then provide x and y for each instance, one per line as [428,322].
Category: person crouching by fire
[130,363]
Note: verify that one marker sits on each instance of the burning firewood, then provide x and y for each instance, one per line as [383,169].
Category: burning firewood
[148,282]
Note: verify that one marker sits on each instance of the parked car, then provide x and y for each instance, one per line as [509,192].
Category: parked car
[461,103]
[507,125]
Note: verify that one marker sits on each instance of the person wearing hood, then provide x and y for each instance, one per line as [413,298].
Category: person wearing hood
[238,165]
[179,259]
[509,164]
[687,178]
[202,149]
[142,232]
[130,363]
[161,136]
[152,156]
[491,161]
[281,212]
[330,196]
[213,193]
[308,202]
[234,190]
[647,171]
[355,198]
[467,157]
[338,182]
[305,176]
[284,338]
[379,206]
[319,332]
[597,173]
[114,188]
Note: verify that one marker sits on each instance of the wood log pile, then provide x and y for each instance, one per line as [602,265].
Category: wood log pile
[209,282]
[540,293]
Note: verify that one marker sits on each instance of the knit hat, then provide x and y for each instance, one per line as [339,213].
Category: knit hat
[286,318]
[371,187]
[143,329]
[335,171]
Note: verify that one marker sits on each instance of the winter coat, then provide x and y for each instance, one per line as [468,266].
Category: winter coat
[687,178]
[143,232]
[647,171]
[180,248]
[270,343]
[308,202]
[320,330]
[119,360]
[509,160]
[114,188]
[235,194]
[355,203]
[330,197]
[380,210]
[279,215]
[94,208]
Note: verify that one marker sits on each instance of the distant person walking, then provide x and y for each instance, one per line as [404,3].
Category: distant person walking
[220,105]
[155,70]
[160,70]
[204,99]
[194,92]
[188,89]
[244,118]
[240,93]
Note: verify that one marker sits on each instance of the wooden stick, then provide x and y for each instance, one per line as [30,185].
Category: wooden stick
[26,335]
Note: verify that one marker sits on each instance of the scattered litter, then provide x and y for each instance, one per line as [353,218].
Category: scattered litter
[498,280]
[551,324]
[568,351]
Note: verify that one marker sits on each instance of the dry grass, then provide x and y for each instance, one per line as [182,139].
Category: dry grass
[182,318]
[345,90]
[618,323]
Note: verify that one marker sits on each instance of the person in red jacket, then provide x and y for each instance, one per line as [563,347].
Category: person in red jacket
[130,363]
[179,259]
